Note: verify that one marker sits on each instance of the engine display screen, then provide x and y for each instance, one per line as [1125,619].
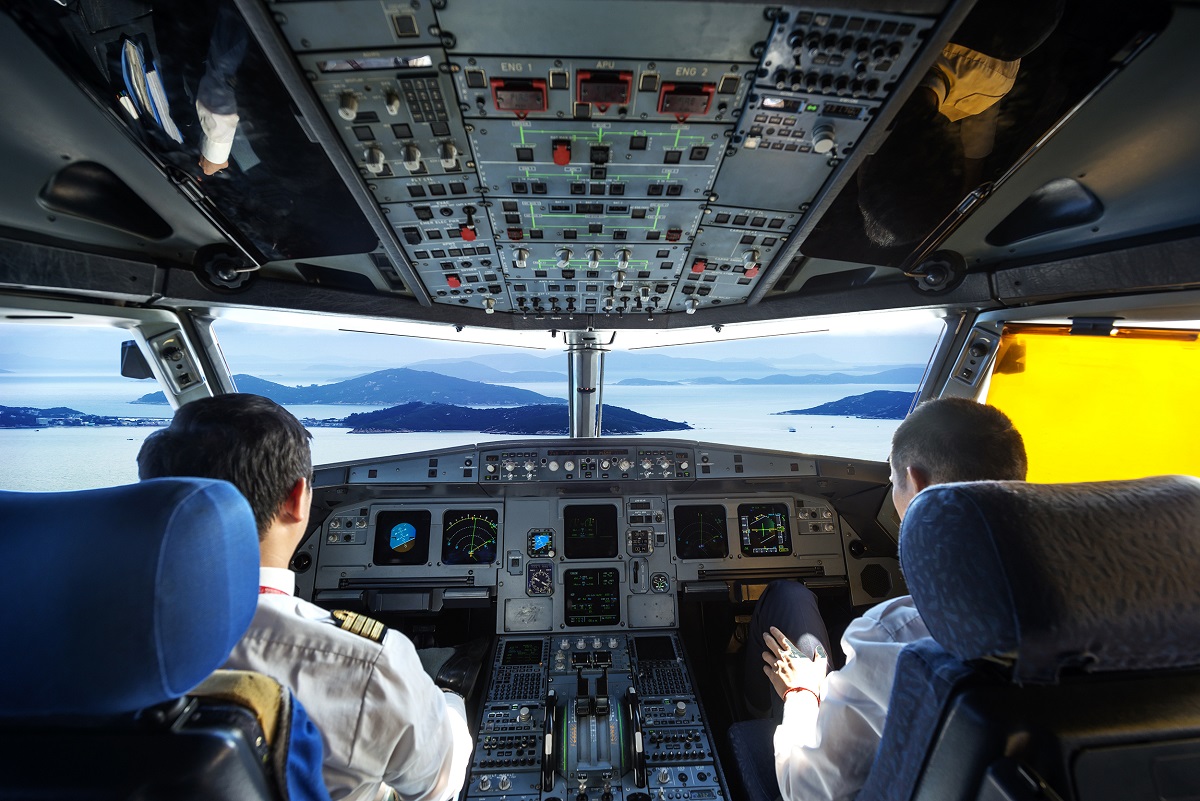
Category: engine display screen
[764,529]
[590,532]
[592,597]
[402,537]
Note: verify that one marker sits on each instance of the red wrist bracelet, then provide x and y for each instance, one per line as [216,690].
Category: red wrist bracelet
[791,690]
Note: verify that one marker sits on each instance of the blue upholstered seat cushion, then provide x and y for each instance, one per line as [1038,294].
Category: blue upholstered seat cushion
[1101,576]
[116,599]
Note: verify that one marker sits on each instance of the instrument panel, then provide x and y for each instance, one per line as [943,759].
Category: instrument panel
[560,536]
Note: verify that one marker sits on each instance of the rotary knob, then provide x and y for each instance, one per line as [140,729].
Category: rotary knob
[510,466]
[523,714]
[690,305]
[593,257]
[485,783]
[564,258]
[623,255]
[528,467]
[448,154]
[647,464]
[392,101]
[491,468]
[412,157]
[605,464]
[822,138]
[375,159]
[569,466]
[625,464]
[348,106]
[505,783]
[552,466]
[680,708]
[520,256]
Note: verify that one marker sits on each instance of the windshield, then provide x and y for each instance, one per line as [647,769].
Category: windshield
[836,386]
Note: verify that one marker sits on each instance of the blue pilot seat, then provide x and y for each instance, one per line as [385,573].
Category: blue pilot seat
[1065,656]
[117,603]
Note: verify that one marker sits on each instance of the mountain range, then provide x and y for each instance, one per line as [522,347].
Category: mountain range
[895,375]
[386,388]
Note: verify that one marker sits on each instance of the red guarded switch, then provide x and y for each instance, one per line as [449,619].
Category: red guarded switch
[453,281]
[562,152]
[698,265]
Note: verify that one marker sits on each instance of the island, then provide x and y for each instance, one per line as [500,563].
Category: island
[62,417]
[882,404]
[539,419]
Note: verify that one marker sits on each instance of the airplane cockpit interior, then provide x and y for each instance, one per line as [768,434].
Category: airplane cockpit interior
[311,199]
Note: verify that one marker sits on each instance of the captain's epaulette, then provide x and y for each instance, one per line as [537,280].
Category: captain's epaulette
[358,624]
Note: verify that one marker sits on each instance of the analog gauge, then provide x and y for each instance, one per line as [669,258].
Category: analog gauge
[660,582]
[469,536]
[764,529]
[402,537]
[700,532]
[539,578]
[541,543]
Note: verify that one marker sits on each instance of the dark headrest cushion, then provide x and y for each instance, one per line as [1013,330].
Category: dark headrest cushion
[1103,576]
[116,599]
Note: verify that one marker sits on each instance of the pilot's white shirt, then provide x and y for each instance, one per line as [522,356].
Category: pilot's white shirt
[826,752]
[383,721]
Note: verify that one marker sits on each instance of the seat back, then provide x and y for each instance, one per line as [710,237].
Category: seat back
[1065,656]
[118,602]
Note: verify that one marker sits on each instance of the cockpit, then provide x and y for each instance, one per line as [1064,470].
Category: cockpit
[601,314]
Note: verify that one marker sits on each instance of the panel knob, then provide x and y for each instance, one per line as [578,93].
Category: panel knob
[448,155]
[375,159]
[392,101]
[412,157]
[348,106]
[822,138]
[564,258]
[520,256]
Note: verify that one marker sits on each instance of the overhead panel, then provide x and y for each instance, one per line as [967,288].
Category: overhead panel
[618,158]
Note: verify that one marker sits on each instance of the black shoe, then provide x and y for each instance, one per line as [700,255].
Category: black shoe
[460,671]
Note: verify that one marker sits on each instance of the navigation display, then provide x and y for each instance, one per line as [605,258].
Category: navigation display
[592,597]
[402,537]
[764,529]
[700,532]
[590,532]
[469,536]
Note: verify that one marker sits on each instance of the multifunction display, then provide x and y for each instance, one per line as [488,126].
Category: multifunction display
[590,532]
[469,536]
[592,597]
[764,529]
[700,532]
[402,537]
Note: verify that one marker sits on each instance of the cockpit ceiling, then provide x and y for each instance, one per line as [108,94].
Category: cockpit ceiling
[559,163]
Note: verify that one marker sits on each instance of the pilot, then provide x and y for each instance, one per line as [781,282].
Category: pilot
[832,724]
[389,731]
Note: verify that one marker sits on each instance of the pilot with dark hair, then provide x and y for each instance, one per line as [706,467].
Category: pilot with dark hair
[832,724]
[389,731]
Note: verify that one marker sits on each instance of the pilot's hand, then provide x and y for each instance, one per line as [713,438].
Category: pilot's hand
[788,668]
[212,168]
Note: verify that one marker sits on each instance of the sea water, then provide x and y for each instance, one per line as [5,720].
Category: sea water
[744,415]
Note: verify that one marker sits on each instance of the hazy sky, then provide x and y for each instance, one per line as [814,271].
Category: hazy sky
[865,339]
